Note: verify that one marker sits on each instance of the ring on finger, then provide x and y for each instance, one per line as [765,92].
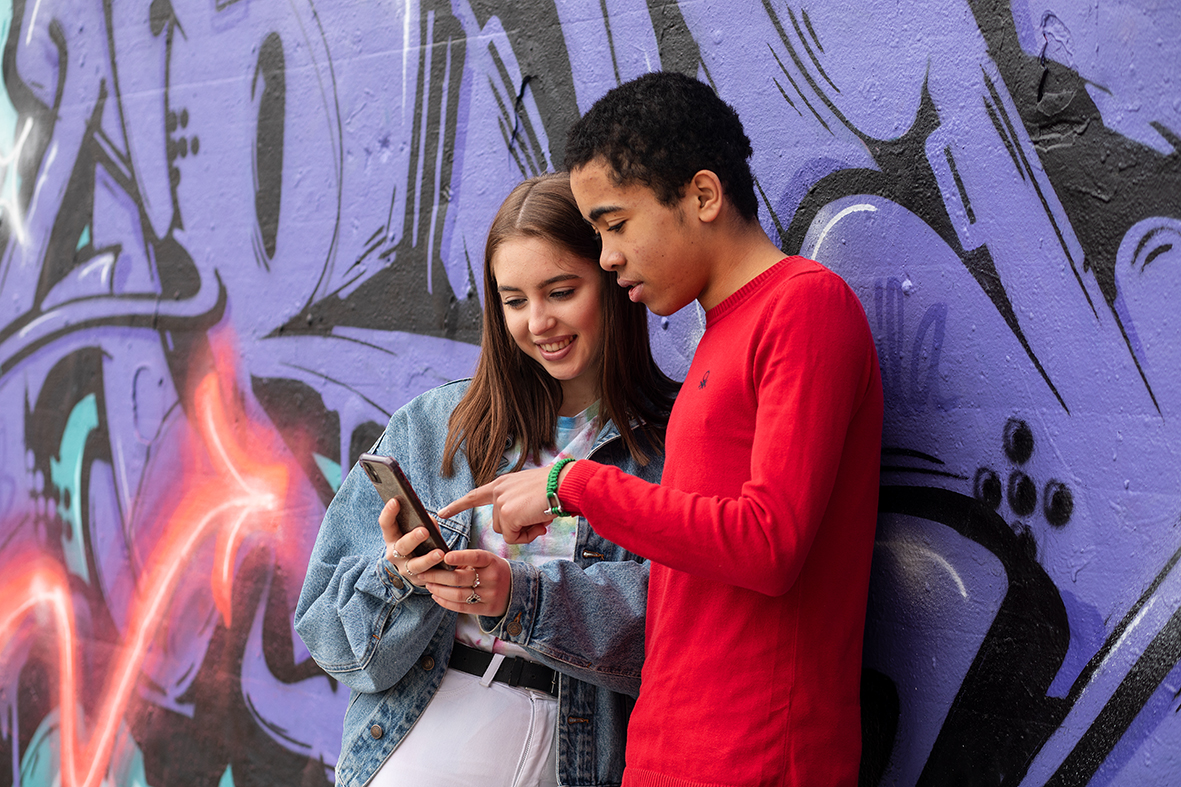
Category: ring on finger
[474,598]
[476,584]
[396,554]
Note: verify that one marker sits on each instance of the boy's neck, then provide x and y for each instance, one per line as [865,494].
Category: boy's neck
[734,258]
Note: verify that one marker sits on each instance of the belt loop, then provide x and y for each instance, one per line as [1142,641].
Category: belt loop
[490,673]
[514,674]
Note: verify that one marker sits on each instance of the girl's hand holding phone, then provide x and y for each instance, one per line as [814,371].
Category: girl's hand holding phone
[474,580]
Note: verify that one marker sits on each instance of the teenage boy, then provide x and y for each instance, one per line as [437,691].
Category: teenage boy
[761,532]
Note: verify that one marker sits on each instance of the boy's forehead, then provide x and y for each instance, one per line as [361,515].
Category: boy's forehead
[598,192]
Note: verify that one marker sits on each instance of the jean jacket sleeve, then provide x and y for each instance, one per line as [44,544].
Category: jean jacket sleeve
[586,621]
[363,623]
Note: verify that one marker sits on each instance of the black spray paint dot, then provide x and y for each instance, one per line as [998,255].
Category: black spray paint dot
[196,144]
[184,147]
[66,498]
[987,487]
[1022,494]
[184,118]
[174,176]
[1057,503]
[1018,441]
[170,122]
[1026,543]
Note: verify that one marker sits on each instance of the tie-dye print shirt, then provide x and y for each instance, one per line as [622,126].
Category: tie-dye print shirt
[575,438]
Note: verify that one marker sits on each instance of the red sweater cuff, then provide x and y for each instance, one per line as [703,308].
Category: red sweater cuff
[574,484]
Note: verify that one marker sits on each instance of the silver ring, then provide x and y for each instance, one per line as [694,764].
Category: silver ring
[397,555]
[474,598]
[476,584]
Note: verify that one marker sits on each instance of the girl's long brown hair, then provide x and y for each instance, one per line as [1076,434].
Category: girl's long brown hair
[511,396]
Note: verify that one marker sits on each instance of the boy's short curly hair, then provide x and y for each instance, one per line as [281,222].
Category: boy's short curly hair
[661,129]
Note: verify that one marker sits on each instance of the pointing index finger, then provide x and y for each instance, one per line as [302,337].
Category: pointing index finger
[480,496]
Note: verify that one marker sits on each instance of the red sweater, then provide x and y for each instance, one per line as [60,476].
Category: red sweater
[761,535]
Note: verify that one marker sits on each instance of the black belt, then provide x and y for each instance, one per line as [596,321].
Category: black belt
[513,670]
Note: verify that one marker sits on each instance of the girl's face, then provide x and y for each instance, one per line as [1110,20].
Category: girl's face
[552,306]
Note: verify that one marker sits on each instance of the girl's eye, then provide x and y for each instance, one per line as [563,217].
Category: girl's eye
[560,294]
[616,227]
[515,303]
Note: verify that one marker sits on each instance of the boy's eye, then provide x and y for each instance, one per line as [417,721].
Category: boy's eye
[615,227]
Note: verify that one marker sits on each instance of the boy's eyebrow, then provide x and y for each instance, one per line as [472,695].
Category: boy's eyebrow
[598,213]
[546,283]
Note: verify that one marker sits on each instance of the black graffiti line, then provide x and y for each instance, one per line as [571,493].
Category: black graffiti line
[1004,135]
[795,56]
[799,92]
[923,471]
[610,39]
[338,148]
[786,97]
[535,154]
[896,451]
[1000,106]
[959,184]
[808,48]
[1117,633]
[808,24]
[1159,250]
[771,211]
[1143,679]
[504,134]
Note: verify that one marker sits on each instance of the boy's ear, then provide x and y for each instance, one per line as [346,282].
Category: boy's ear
[705,195]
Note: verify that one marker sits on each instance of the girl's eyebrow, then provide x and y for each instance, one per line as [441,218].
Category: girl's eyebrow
[546,283]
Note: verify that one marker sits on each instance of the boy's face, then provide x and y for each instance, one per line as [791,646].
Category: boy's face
[653,248]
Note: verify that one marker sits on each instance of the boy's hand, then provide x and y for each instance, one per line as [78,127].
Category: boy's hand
[518,504]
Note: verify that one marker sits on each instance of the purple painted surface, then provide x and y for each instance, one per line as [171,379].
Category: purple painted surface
[249,234]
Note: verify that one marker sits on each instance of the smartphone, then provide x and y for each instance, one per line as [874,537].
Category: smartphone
[391,482]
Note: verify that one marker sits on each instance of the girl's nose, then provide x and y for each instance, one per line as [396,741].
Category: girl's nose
[540,319]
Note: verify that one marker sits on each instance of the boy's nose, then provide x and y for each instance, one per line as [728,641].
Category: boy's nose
[610,259]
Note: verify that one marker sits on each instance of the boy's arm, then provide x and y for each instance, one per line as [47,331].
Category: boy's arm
[815,367]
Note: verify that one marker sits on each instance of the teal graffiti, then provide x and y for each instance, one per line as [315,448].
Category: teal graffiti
[330,469]
[67,477]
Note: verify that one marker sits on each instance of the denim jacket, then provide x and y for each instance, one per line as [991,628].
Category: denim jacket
[386,640]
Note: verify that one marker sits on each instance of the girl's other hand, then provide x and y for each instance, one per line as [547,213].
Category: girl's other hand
[480,584]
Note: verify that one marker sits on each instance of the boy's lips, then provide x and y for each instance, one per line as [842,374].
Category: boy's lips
[634,288]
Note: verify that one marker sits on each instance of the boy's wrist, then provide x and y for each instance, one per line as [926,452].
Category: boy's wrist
[553,482]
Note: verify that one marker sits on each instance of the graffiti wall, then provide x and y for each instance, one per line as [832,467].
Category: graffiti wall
[236,235]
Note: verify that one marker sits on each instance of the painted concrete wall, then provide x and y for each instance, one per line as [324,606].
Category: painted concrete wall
[237,234]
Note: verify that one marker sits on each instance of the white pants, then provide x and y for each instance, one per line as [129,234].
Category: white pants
[499,736]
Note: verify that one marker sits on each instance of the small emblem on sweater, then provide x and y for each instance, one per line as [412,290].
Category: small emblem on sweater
[704,379]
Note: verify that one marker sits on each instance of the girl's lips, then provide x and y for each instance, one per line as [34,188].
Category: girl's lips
[556,349]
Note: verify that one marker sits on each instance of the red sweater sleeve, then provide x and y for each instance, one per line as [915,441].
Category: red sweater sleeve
[763,456]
